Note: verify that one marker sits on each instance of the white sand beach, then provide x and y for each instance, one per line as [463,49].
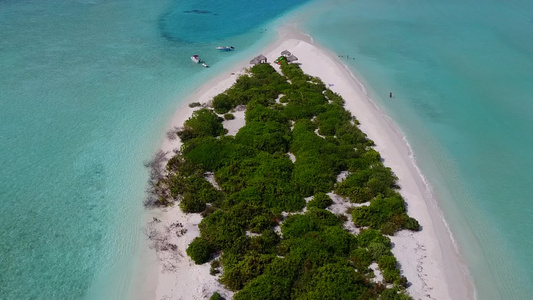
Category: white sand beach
[429,258]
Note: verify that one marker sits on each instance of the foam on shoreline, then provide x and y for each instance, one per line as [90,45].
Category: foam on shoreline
[429,258]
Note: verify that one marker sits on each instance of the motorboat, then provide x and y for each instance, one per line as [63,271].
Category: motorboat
[196,59]
[230,48]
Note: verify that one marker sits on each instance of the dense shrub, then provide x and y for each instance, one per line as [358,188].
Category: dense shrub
[320,200]
[318,161]
[365,237]
[266,136]
[263,84]
[311,176]
[387,214]
[287,267]
[256,112]
[324,217]
[377,250]
[266,243]
[229,117]
[389,228]
[390,275]
[196,192]
[348,134]
[210,153]
[338,241]
[401,282]
[335,281]
[235,252]
[393,294]
[387,262]
[192,204]
[334,97]
[332,119]
[251,266]
[216,296]
[298,225]
[266,287]
[199,251]
[202,123]
[222,103]
[264,180]
[215,264]
[178,164]
[363,185]
[312,220]
[260,223]
[361,258]
[269,77]
[293,72]
[303,104]
[308,250]
[411,224]
[211,226]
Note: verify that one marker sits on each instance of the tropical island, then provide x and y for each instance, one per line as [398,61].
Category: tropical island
[266,195]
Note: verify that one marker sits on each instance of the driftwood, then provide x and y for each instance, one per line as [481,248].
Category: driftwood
[172,134]
[156,188]
[160,236]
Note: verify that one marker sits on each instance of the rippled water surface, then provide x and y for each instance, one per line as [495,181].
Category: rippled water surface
[461,74]
[86,91]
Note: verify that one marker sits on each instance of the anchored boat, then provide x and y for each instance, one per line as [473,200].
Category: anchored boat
[196,59]
[230,48]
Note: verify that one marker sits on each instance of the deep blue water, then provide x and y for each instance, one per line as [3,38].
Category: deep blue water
[213,20]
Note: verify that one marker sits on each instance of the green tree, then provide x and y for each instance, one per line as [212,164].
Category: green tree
[266,287]
[202,123]
[320,200]
[222,103]
[216,296]
[335,281]
[199,251]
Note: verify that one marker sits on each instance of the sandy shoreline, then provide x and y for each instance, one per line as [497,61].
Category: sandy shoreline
[428,258]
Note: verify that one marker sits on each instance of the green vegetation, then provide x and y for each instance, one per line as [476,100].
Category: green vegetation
[216,296]
[229,116]
[387,214]
[202,123]
[199,250]
[313,257]
[215,264]
[222,103]
[320,200]
[194,104]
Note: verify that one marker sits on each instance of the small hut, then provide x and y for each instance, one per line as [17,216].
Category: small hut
[286,53]
[292,58]
[261,59]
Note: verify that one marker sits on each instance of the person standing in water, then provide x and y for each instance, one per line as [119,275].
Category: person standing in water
[390,95]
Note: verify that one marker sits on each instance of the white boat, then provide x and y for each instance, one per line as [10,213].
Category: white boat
[196,59]
[230,48]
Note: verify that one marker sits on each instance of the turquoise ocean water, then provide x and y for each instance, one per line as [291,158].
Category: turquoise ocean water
[88,87]
[461,74]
